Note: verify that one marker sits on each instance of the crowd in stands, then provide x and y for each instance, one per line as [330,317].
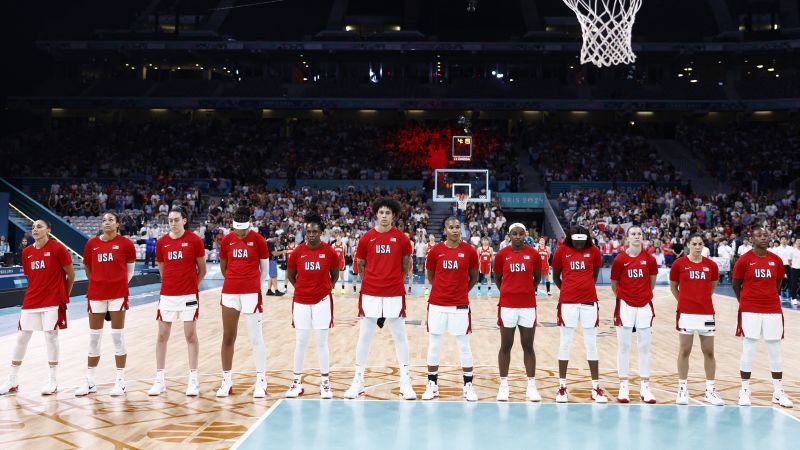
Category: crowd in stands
[668,217]
[754,157]
[579,152]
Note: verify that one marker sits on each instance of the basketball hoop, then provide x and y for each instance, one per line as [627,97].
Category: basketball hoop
[606,26]
[462,200]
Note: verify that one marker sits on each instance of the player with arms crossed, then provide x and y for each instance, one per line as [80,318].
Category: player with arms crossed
[452,268]
[633,277]
[517,272]
[109,260]
[579,260]
[48,267]
[313,270]
[757,278]
[692,280]
[244,262]
[180,256]
[383,258]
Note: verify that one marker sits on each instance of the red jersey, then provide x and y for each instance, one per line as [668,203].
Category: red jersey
[485,259]
[577,273]
[544,264]
[290,247]
[759,288]
[517,272]
[632,274]
[107,265]
[179,276]
[243,256]
[694,284]
[383,252]
[428,248]
[355,261]
[339,249]
[313,267]
[47,282]
[451,267]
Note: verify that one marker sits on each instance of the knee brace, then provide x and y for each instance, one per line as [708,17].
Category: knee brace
[434,349]
[565,343]
[464,350]
[590,342]
[118,336]
[95,337]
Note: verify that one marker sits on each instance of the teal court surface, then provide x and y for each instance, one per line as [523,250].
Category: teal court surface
[390,424]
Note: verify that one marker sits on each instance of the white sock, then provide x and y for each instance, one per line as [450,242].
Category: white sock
[14,372]
[297,377]
[595,384]
[160,375]
[562,382]
[623,383]
[256,336]
[709,385]
[777,385]
[326,379]
[684,383]
[193,374]
[90,372]
[745,384]
[503,381]
[531,382]
[226,376]
[53,370]
[120,374]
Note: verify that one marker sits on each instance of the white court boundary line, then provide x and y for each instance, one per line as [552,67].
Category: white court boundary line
[258,423]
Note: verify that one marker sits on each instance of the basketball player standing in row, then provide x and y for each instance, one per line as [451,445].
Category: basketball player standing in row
[544,255]
[428,247]
[180,256]
[757,278]
[109,260]
[692,280]
[452,268]
[244,262]
[485,252]
[313,270]
[383,258]
[48,267]
[340,248]
[633,277]
[579,260]
[517,272]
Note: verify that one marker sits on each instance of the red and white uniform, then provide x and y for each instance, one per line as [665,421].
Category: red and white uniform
[179,300]
[695,307]
[355,260]
[241,289]
[107,262]
[382,288]
[448,304]
[577,301]
[760,312]
[339,249]
[517,304]
[312,306]
[485,254]
[44,307]
[634,307]
[290,247]
[543,256]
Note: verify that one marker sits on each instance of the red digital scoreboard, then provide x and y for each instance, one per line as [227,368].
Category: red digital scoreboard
[462,148]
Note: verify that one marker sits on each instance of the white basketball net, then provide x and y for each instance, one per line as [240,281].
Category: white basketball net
[606,26]
[462,200]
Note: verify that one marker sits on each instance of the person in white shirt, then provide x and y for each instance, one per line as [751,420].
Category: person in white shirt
[725,250]
[784,251]
[706,252]
[794,274]
[744,248]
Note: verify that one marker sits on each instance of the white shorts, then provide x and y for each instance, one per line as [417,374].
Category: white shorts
[757,325]
[377,307]
[456,320]
[572,314]
[629,316]
[246,303]
[513,317]
[39,319]
[104,306]
[178,308]
[702,324]
[318,316]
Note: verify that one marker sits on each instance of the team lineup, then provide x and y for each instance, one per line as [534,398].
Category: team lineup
[383,257]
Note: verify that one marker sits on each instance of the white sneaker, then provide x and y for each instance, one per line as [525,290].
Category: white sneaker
[325,391]
[713,398]
[225,389]
[744,397]
[562,396]
[295,390]
[85,389]
[192,388]
[598,395]
[780,398]
[683,396]
[431,391]
[795,302]
[502,393]
[50,388]
[119,389]
[9,386]
[624,395]
[469,393]
[532,394]
[356,389]
[645,395]
[406,391]
[158,388]
[260,389]
[342,291]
